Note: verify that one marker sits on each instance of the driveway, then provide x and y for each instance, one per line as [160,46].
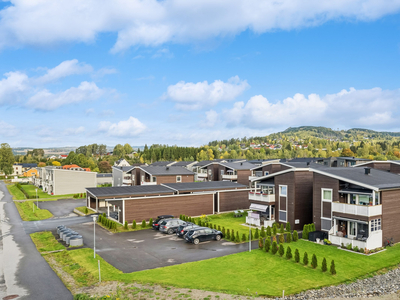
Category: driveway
[62,208]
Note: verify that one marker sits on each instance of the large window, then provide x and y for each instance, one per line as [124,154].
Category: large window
[327,195]
[283,203]
[283,190]
[375,225]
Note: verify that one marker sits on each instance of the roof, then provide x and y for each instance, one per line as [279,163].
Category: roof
[182,163]
[104,175]
[27,165]
[237,165]
[160,171]
[353,158]
[376,179]
[118,191]
[207,162]
[261,161]
[397,162]
[161,163]
[123,169]
[206,185]
[306,159]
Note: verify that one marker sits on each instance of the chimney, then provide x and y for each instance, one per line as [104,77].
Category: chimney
[367,171]
[167,168]
[308,163]
[241,164]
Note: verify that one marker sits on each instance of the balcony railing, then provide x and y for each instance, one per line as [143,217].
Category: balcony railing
[202,175]
[373,241]
[148,183]
[358,210]
[230,177]
[261,197]
[127,181]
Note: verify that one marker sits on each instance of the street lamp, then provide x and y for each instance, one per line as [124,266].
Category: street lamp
[37,201]
[94,236]
[249,238]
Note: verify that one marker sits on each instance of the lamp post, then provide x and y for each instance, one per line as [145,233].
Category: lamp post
[94,236]
[37,201]
[249,238]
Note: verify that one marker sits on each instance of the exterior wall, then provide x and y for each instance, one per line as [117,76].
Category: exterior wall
[172,179]
[303,207]
[103,180]
[243,177]
[390,215]
[229,201]
[287,179]
[71,182]
[150,207]
[30,173]
[274,168]
[322,181]
[117,176]
[395,168]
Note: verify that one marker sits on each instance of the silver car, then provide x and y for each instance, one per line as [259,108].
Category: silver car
[170,226]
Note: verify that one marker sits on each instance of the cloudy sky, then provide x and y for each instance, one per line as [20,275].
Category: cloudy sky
[186,72]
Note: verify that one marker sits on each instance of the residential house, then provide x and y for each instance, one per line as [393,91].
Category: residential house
[120,176]
[343,161]
[152,175]
[392,166]
[62,156]
[30,173]
[104,178]
[238,171]
[121,163]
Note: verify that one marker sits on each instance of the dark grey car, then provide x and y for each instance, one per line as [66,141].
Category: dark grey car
[170,226]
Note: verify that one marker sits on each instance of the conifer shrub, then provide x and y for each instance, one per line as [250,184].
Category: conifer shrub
[274,229]
[289,253]
[223,231]
[281,250]
[295,236]
[237,237]
[126,225]
[281,238]
[305,232]
[219,228]
[143,224]
[314,261]
[233,235]
[333,268]
[262,233]
[181,217]
[256,235]
[260,243]
[288,229]
[215,226]
[282,229]
[324,266]
[274,238]
[99,218]
[305,259]
[288,237]
[150,222]
[134,224]
[267,245]
[312,227]
[274,248]
[243,237]
[228,234]
[268,233]
[297,256]
[86,210]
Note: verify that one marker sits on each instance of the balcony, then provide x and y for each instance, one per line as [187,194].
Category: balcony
[127,181]
[148,183]
[229,177]
[262,197]
[202,175]
[358,210]
[373,241]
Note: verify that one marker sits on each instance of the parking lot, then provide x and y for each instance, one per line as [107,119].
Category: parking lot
[62,208]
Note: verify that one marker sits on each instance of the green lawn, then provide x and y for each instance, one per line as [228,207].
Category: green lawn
[29,211]
[82,209]
[15,192]
[31,190]
[251,273]
[45,241]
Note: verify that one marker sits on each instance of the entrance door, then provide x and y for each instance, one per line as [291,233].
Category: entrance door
[352,229]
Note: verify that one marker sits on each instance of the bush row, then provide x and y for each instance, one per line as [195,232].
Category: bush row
[19,186]
[307,228]
[81,195]
[110,224]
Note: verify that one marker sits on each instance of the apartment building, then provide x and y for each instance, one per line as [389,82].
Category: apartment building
[392,166]
[152,175]
[237,171]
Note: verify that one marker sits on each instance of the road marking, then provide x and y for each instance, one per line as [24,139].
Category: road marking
[135,241]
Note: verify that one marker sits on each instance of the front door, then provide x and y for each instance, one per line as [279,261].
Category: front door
[352,229]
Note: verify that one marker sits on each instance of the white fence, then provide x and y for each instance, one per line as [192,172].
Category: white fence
[261,197]
[374,241]
[253,221]
[358,210]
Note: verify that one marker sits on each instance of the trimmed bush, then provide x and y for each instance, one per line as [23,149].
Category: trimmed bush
[200,223]
[219,228]
[228,234]
[256,235]
[267,245]
[237,237]
[305,259]
[361,250]
[281,238]
[274,238]
[312,227]
[288,229]
[297,256]
[134,224]
[314,261]
[251,235]
[243,237]
[143,224]
[223,231]
[233,235]
[262,234]
[305,232]
[281,250]
[260,243]
[274,229]
[288,237]
[333,269]
[295,236]
[181,217]
[349,247]
[274,248]
[210,225]
[215,226]
[355,249]
[324,266]
[99,218]
[268,233]
[126,225]
[86,210]
[282,229]
[289,253]
[151,222]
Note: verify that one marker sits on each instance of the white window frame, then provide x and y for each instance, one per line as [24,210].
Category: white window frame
[209,171]
[280,210]
[376,225]
[179,176]
[322,206]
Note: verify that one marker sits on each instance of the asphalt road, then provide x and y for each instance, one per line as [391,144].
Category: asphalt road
[23,271]
[61,208]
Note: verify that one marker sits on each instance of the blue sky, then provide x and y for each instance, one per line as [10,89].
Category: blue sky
[165,72]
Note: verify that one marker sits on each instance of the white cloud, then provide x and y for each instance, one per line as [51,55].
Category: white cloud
[89,111]
[129,128]
[191,96]
[64,69]
[105,71]
[107,113]
[12,87]
[45,100]
[369,108]
[8,130]
[74,131]
[212,118]
[153,23]
[163,53]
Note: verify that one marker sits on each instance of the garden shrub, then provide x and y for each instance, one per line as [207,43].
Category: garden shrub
[305,259]
[267,245]
[134,224]
[237,237]
[126,225]
[274,248]
[314,261]
[274,229]
[228,234]
[243,237]
[282,229]
[274,238]
[260,243]
[223,231]
[219,228]
[281,238]
[233,235]
[355,249]
[104,215]
[305,232]
[200,224]
[297,256]
[143,224]
[99,218]
[289,253]
[348,247]
[210,225]
[281,250]
[150,222]
[288,237]
[268,233]
[215,226]
[256,235]
[86,210]
[295,236]
[262,234]
[288,229]
[181,217]
[251,235]
[324,266]
[361,250]
[333,269]
[312,227]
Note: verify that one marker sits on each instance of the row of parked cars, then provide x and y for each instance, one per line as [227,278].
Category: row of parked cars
[189,231]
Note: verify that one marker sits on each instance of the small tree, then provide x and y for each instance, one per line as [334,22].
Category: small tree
[86,210]
[150,222]
[295,236]
[297,256]
[289,253]
[274,248]
[256,235]
[237,237]
[333,269]
[288,237]
[281,250]
[324,266]
[269,231]
[228,234]
[219,228]
[210,225]
[260,243]
[181,217]
[243,237]
[215,226]
[305,259]
[305,232]
[126,225]
[288,229]
[274,238]
[274,229]
[267,245]
[200,224]
[143,224]
[314,261]
[282,229]
[262,234]
[233,235]
[99,218]
[281,238]
[223,231]
[312,227]
[134,224]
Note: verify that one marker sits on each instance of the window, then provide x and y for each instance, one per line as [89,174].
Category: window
[143,178]
[375,225]
[282,216]
[154,179]
[326,224]
[209,171]
[283,190]
[179,178]
[266,173]
[326,195]
[222,172]
[364,199]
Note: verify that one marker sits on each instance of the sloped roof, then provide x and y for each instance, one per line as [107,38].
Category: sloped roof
[121,191]
[160,171]
[203,186]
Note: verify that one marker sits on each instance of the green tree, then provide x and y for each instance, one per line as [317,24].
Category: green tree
[289,253]
[262,232]
[288,227]
[6,159]
[305,232]
[333,268]
[274,229]
[256,235]
[295,236]
[324,266]
[297,256]
[281,238]
[274,248]
[143,224]
[134,224]
[269,231]
[119,151]
[243,237]
[305,259]
[267,245]
[282,229]
[314,261]
[281,250]
[288,237]
[128,149]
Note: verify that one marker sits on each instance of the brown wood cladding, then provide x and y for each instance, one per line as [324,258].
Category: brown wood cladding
[146,208]
[273,168]
[287,179]
[390,214]
[92,202]
[322,181]
[243,177]
[304,199]
[172,178]
[327,209]
[282,203]
[229,201]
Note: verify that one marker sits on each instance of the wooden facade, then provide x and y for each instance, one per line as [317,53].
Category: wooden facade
[390,215]
[233,200]
[383,166]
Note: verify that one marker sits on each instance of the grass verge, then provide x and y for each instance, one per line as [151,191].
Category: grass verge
[121,228]
[82,209]
[15,192]
[247,273]
[45,241]
[29,211]
[31,191]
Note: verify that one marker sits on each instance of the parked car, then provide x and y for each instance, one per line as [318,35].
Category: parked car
[170,226]
[156,222]
[183,229]
[198,235]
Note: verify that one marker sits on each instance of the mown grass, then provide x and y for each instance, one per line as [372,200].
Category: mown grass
[31,191]
[29,211]
[82,209]
[15,192]
[45,241]
[255,272]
